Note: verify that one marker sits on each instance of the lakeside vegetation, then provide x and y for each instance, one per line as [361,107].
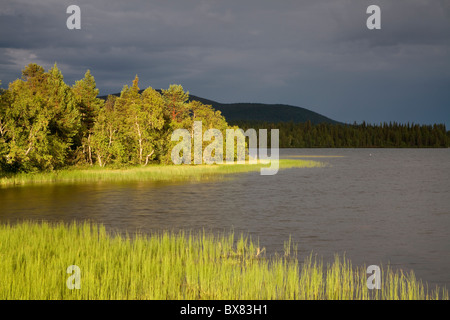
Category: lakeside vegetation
[52,132]
[34,258]
[148,173]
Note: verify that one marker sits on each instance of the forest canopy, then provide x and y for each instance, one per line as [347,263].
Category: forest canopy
[383,135]
[46,124]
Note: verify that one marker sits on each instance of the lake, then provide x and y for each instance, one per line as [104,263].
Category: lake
[376,206]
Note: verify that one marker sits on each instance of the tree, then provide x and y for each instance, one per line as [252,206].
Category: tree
[176,99]
[104,132]
[88,105]
[210,118]
[156,126]
[143,120]
[132,128]
[41,118]
[35,77]
[3,107]
[3,128]
[126,107]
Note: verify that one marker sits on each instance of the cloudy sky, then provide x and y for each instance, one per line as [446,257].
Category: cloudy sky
[315,54]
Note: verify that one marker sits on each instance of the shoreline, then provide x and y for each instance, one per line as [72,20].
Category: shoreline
[148,173]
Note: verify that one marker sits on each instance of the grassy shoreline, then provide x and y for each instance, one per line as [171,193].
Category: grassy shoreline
[34,258]
[147,173]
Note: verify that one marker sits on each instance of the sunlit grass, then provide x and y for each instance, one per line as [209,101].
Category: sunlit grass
[147,173]
[34,258]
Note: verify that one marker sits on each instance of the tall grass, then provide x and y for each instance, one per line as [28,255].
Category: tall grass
[34,258]
[147,173]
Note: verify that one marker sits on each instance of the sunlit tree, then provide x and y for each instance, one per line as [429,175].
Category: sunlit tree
[176,102]
[88,105]
[41,119]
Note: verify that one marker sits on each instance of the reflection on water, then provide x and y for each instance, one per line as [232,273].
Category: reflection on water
[374,205]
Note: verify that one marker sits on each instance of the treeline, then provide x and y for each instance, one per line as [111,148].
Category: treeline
[46,124]
[385,135]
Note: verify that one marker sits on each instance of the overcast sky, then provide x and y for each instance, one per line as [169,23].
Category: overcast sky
[314,54]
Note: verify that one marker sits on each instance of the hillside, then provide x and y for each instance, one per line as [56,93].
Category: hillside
[262,112]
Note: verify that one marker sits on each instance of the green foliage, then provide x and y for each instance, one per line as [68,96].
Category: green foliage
[210,118]
[135,128]
[39,120]
[142,125]
[176,100]
[3,129]
[86,92]
[46,125]
[325,135]
[104,135]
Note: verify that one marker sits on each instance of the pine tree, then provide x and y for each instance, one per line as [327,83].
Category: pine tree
[176,99]
[88,105]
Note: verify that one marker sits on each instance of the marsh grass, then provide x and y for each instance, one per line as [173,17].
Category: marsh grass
[167,265]
[147,173]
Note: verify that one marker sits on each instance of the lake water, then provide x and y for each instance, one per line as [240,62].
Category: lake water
[377,206]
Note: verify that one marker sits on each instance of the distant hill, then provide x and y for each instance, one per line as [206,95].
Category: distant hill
[265,112]
[261,112]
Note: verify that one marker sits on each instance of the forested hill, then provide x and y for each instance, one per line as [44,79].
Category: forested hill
[265,112]
[260,112]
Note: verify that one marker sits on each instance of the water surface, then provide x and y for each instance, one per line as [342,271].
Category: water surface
[374,205]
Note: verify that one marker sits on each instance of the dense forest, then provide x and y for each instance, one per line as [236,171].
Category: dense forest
[46,124]
[326,135]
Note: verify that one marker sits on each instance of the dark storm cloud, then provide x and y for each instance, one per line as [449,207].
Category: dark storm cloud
[315,54]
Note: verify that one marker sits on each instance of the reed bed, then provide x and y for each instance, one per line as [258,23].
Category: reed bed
[34,258]
[147,173]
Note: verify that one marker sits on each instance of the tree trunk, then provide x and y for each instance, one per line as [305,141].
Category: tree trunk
[140,141]
[111,132]
[30,146]
[148,157]
[89,148]
[2,128]
[100,160]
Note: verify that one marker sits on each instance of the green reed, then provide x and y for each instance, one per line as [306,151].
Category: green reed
[146,173]
[186,265]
